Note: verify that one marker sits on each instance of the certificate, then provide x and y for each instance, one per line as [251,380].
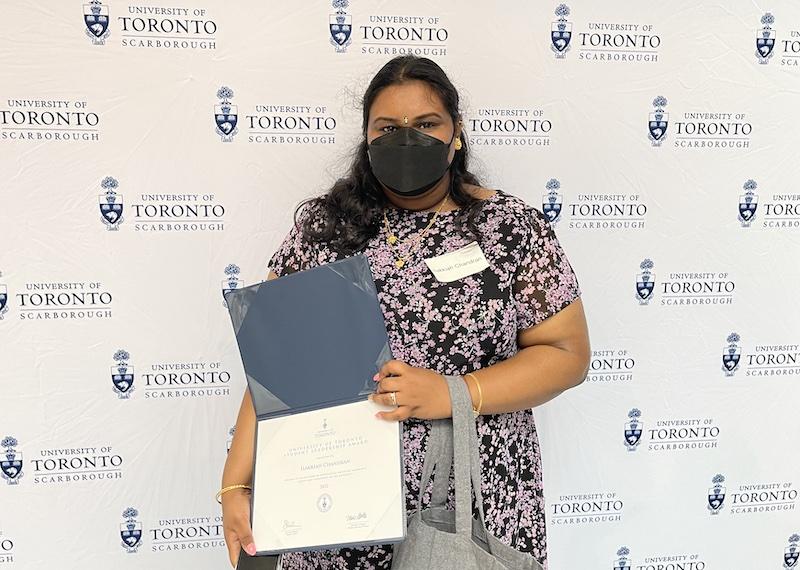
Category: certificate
[326,478]
[327,471]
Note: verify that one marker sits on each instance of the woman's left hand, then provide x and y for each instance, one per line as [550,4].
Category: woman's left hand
[418,392]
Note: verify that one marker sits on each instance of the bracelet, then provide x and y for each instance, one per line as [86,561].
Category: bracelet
[476,410]
[230,488]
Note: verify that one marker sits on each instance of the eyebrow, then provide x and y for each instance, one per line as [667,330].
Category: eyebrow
[415,119]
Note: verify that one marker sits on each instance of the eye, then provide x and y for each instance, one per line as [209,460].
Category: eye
[426,125]
[387,129]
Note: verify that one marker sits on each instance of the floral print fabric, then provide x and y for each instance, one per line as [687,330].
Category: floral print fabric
[455,328]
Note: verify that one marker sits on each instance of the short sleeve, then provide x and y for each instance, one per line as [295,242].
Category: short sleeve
[294,253]
[544,281]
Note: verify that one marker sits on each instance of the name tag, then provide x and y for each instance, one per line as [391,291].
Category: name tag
[457,264]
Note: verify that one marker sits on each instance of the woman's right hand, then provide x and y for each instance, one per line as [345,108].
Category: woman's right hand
[236,524]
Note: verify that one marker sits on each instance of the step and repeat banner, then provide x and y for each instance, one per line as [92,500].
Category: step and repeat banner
[152,155]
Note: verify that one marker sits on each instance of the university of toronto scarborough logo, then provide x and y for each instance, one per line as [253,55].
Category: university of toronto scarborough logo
[10,460]
[633,429]
[231,282]
[731,355]
[645,282]
[552,201]
[131,530]
[791,554]
[110,204]
[340,26]
[122,375]
[95,16]
[748,202]
[623,561]
[716,495]
[225,115]
[765,39]
[3,298]
[561,32]
[658,121]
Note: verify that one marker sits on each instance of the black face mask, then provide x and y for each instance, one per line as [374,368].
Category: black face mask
[408,162]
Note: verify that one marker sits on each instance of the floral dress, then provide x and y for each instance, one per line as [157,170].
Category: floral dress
[455,328]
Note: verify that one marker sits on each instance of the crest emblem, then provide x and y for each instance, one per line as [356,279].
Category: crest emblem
[716,495]
[122,375]
[623,561]
[3,299]
[748,202]
[10,460]
[232,282]
[340,26]
[765,39]
[324,503]
[95,16]
[731,355]
[561,32]
[658,121]
[131,530]
[230,438]
[645,282]
[791,554]
[633,430]
[111,204]
[552,201]
[226,115]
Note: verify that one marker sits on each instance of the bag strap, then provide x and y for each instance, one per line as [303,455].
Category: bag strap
[466,457]
[439,458]
[441,482]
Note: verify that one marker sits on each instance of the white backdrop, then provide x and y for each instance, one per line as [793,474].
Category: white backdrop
[128,105]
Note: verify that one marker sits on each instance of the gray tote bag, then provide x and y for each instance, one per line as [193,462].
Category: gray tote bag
[452,540]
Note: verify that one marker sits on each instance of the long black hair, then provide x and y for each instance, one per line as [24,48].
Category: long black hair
[351,212]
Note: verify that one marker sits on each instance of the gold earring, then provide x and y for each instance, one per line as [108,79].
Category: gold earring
[458,143]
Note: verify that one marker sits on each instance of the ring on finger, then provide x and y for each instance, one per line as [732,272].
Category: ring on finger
[393,398]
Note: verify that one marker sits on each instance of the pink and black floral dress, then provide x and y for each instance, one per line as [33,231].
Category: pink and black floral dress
[454,328]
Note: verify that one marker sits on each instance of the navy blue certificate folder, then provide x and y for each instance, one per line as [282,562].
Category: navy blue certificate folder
[310,339]
[310,343]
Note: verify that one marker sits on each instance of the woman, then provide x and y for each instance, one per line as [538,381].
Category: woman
[517,323]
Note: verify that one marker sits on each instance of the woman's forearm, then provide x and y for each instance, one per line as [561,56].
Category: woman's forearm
[531,377]
[239,464]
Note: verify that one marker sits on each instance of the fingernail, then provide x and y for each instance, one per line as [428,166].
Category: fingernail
[376,377]
[369,397]
[250,549]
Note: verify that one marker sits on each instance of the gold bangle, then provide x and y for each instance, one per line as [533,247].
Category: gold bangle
[230,488]
[476,410]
